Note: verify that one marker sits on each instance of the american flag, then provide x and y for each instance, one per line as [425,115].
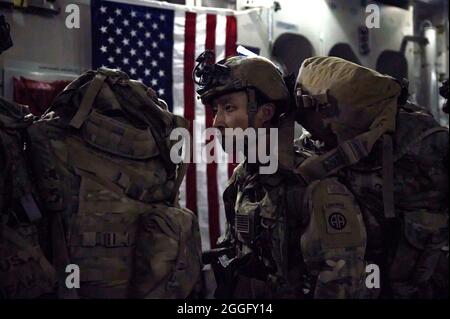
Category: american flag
[157,43]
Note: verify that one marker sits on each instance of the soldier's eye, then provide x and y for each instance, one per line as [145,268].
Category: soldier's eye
[229,107]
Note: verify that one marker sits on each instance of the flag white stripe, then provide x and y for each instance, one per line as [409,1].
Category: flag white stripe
[222,168]
[178,77]
[201,177]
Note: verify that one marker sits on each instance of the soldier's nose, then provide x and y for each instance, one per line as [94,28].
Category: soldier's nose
[218,120]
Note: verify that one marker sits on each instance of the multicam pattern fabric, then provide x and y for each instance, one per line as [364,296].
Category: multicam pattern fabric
[411,249]
[284,232]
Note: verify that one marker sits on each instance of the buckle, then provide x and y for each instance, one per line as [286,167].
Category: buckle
[352,151]
[116,239]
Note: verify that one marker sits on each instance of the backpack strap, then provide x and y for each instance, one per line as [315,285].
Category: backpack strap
[182,167]
[88,100]
[418,139]
[388,177]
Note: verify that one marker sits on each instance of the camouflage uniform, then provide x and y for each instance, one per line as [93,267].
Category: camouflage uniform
[284,239]
[299,241]
[393,156]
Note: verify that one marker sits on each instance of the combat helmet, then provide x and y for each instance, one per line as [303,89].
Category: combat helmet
[237,73]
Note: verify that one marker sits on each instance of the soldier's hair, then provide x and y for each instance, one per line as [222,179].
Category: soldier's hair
[280,107]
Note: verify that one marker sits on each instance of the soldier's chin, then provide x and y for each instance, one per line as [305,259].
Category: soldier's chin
[229,144]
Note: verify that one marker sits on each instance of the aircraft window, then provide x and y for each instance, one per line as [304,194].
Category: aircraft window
[291,50]
[344,51]
[393,63]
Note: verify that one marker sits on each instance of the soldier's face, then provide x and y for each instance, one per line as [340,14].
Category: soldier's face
[230,111]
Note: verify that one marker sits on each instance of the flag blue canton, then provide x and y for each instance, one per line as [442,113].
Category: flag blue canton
[137,40]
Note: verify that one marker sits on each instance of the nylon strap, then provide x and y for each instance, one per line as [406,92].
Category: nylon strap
[347,153]
[182,167]
[418,139]
[87,101]
[252,107]
[388,177]
[286,141]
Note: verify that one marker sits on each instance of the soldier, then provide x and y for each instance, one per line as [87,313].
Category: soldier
[283,239]
[393,156]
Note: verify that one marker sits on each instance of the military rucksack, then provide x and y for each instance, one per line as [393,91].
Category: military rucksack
[394,157]
[24,269]
[101,158]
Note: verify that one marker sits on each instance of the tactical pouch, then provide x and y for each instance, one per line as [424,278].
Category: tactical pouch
[168,254]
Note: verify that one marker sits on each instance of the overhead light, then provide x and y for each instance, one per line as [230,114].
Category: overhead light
[44,6]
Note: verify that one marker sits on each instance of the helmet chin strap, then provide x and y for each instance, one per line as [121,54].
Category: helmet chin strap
[252,107]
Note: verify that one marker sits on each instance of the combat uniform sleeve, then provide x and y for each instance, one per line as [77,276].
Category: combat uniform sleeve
[334,241]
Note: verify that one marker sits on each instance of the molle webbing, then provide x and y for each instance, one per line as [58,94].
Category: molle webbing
[88,100]
[118,177]
[118,138]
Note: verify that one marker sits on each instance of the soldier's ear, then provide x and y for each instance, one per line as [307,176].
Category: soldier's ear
[268,112]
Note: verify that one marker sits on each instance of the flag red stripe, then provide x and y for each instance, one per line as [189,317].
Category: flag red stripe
[211,169]
[189,105]
[230,49]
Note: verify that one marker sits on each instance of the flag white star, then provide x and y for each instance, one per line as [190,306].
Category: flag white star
[161,91]
[161,54]
[154,82]
[119,68]
[104,29]
[140,62]
[133,33]
[154,26]
[125,60]
[147,53]
[147,34]
[133,71]
[126,22]
[140,43]
[140,24]
[133,14]
[126,41]
[111,59]
[140,79]
[132,52]
[162,17]
[118,50]
[148,16]
[118,31]
[154,44]
[154,63]
[161,73]
[111,40]
[103,49]
[103,9]
[110,20]
[162,36]
[147,72]
[118,11]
